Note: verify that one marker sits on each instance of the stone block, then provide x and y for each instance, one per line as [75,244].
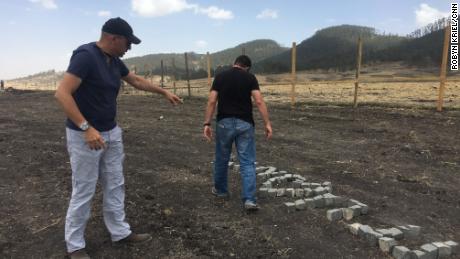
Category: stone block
[296,184]
[325,184]
[414,231]
[290,206]
[305,185]
[314,185]
[354,228]
[351,212]
[328,189]
[340,201]
[319,201]
[430,250]
[373,237]
[299,192]
[290,192]
[420,254]
[402,252]
[386,244]
[270,170]
[328,199]
[410,231]
[319,190]
[300,204]
[352,202]
[364,230]
[280,192]
[443,249]
[307,192]
[261,169]
[334,214]
[453,245]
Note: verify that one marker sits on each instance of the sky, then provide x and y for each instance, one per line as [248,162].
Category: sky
[40,35]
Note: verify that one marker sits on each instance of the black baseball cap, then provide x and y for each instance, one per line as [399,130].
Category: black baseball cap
[119,26]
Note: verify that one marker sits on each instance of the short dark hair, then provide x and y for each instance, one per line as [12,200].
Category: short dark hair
[243,60]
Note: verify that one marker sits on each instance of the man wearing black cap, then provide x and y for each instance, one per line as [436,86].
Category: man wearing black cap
[88,94]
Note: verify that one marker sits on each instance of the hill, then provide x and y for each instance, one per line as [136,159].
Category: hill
[333,47]
[257,50]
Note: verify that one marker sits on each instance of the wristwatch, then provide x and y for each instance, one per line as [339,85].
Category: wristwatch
[84,126]
[206,124]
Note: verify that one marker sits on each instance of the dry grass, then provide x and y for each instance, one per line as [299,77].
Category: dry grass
[379,84]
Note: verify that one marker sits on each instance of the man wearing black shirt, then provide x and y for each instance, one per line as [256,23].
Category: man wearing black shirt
[232,91]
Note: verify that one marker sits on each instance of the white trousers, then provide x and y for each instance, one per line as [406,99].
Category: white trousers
[87,167]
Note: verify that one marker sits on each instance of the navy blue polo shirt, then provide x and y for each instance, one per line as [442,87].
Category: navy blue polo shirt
[96,97]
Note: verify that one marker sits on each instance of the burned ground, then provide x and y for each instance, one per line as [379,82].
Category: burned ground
[404,163]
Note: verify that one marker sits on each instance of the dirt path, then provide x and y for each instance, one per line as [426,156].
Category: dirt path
[403,163]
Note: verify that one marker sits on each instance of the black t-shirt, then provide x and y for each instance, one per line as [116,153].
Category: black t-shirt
[234,87]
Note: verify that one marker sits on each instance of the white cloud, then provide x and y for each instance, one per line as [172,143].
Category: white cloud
[48,4]
[104,13]
[426,14]
[268,14]
[201,44]
[157,8]
[214,12]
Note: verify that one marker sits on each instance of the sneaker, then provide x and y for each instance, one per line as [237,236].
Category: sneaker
[79,254]
[250,206]
[220,195]
[135,239]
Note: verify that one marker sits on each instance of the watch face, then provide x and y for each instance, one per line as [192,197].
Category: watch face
[84,126]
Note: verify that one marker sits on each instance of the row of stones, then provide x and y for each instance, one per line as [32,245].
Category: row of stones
[386,239]
[320,196]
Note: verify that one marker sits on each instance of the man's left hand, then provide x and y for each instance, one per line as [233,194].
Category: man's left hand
[172,98]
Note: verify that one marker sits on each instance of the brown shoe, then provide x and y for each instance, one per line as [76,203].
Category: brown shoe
[79,254]
[135,239]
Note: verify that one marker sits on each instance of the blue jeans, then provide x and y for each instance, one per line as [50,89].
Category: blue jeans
[229,131]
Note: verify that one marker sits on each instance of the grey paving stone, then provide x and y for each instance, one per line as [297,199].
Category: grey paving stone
[430,250]
[300,204]
[329,199]
[325,184]
[364,230]
[420,254]
[354,228]
[391,232]
[443,249]
[290,192]
[280,192]
[314,185]
[402,252]
[334,214]
[319,190]
[351,212]
[319,201]
[290,206]
[307,192]
[305,185]
[373,237]
[386,244]
[296,184]
[453,245]
[414,231]
[299,192]
[410,231]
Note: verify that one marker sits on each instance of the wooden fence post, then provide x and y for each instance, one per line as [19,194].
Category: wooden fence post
[174,75]
[187,75]
[443,68]
[208,58]
[162,74]
[358,69]
[293,74]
